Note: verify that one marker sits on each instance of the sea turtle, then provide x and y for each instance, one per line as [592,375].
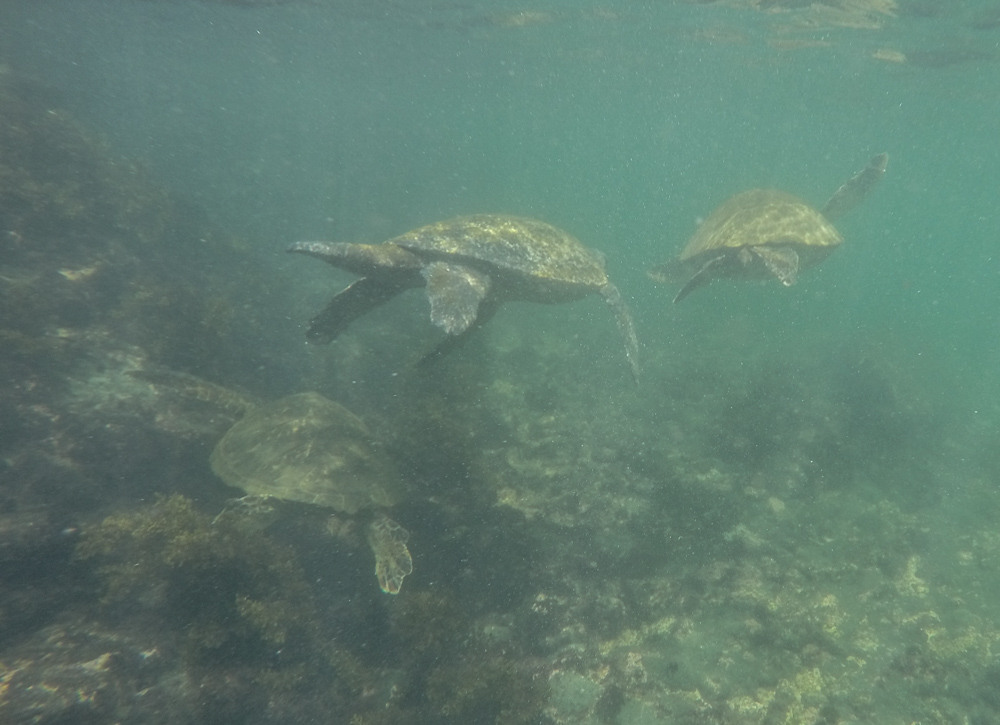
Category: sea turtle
[307,448]
[469,265]
[763,233]
[303,448]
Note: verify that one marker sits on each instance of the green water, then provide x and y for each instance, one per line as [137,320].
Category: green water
[623,124]
[803,491]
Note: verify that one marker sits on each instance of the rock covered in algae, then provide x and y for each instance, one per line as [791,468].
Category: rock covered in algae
[80,671]
[226,609]
[307,448]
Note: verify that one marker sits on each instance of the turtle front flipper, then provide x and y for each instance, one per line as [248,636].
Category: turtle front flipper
[487,308]
[455,292]
[625,325]
[782,262]
[393,561]
[855,189]
[708,272]
[358,299]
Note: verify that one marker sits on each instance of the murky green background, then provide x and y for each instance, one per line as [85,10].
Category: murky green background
[625,124]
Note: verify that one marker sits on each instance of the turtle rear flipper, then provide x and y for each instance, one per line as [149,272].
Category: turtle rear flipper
[358,299]
[625,325]
[673,270]
[361,259]
[455,292]
[855,189]
[703,276]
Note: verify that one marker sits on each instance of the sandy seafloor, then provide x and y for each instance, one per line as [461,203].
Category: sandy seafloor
[792,518]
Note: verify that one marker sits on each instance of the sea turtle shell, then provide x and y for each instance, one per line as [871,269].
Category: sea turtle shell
[302,448]
[307,448]
[545,260]
[763,217]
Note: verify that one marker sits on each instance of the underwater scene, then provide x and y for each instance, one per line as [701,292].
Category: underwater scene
[634,364]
